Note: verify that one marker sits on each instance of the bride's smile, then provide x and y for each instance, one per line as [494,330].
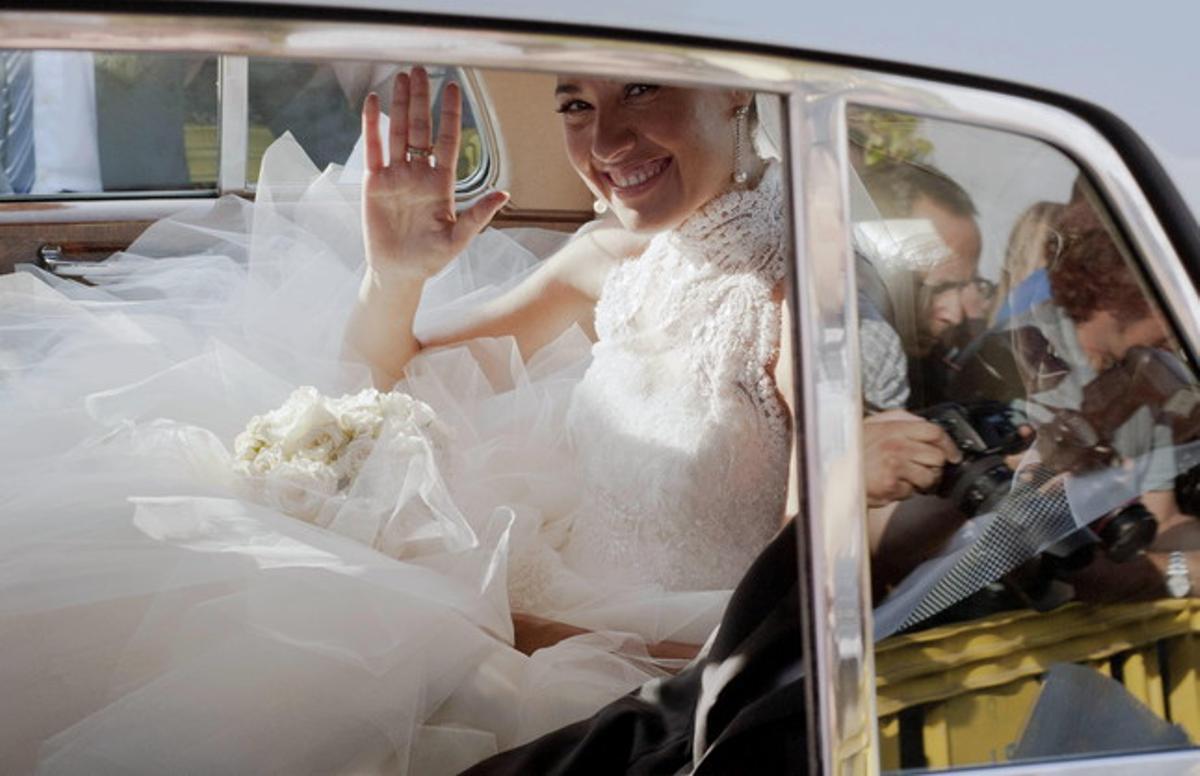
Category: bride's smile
[653,153]
[634,180]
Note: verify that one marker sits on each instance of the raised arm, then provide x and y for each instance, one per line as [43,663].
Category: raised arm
[410,227]
[412,231]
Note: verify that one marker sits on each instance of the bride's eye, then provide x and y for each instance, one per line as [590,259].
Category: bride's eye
[633,91]
[572,106]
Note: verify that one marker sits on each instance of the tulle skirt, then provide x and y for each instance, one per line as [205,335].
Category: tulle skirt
[156,617]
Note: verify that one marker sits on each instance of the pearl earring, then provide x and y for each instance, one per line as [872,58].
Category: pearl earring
[599,207]
[740,176]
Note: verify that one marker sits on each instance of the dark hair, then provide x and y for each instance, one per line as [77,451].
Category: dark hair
[1088,273]
[896,186]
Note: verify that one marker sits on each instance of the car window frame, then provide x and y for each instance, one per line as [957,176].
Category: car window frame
[833,572]
[1131,212]
[233,134]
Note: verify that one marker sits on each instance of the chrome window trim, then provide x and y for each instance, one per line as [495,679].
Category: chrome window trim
[488,173]
[839,623]
[233,118]
[99,209]
[1172,763]
[826,313]
[233,122]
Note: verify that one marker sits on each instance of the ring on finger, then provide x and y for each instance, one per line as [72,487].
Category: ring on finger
[415,152]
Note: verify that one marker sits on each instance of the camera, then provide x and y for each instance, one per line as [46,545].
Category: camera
[988,431]
[985,432]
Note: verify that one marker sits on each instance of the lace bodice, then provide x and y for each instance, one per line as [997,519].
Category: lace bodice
[678,425]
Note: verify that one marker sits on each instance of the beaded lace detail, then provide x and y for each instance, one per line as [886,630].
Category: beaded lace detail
[678,425]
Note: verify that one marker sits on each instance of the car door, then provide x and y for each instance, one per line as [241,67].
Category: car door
[970,214]
[941,697]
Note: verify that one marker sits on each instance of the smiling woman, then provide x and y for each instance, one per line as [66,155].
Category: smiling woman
[681,293]
[574,446]
[654,153]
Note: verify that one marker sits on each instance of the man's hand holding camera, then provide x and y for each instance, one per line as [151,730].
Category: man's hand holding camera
[903,455]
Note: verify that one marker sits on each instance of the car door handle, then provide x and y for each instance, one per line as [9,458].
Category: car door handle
[53,259]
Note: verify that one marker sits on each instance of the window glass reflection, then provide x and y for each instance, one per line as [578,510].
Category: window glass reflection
[127,123]
[1000,302]
[89,122]
[319,103]
[390,482]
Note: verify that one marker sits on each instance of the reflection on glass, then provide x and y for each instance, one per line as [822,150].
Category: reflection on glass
[130,122]
[327,465]
[320,103]
[1000,302]
[107,122]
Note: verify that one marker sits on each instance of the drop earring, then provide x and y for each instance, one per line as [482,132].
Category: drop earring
[740,176]
[599,206]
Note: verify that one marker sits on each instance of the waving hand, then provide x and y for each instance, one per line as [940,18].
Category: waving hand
[409,221]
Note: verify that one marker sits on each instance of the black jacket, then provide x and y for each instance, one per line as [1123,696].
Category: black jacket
[752,720]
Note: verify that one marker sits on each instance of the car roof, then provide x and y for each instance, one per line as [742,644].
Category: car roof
[1139,62]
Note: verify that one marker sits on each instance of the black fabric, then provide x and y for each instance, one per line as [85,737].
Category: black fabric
[767,737]
[754,724]
[630,735]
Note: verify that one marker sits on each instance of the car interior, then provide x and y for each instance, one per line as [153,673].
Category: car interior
[986,262]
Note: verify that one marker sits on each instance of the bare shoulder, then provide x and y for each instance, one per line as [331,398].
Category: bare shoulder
[584,262]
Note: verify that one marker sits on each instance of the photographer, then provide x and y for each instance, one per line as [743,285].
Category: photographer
[1102,330]
[905,458]
[919,288]
[1089,512]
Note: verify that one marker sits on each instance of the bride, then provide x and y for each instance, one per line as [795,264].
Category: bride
[681,386]
[617,453]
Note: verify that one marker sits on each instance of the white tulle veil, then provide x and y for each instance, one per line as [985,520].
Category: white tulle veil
[148,608]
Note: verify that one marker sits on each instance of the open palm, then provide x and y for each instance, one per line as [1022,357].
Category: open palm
[411,227]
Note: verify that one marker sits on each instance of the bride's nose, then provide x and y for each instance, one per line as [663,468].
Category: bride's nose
[612,136]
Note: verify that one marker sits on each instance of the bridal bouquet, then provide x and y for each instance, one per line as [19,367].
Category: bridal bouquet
[312,448]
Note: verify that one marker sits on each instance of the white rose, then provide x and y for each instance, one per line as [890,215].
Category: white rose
[395,404]
[276,423]
[308,428]
[299,488]
[351,458]
[266,459]
[365,399]
[401,441]
[246,446]
[359,414]
[322,444]
[361,421]
[257,428]
[416,414]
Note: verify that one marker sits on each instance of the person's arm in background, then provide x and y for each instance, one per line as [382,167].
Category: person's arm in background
[1144,576]
[904,457]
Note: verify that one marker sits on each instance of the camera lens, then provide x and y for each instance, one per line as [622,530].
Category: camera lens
[976,486]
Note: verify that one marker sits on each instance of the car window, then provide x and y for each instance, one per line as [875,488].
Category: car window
[233,519]
[1049,573]
[138,124]
[319,103]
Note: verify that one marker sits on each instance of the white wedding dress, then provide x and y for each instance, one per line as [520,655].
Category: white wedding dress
[154,618]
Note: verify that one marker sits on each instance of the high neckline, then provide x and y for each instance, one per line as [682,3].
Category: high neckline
[741,229]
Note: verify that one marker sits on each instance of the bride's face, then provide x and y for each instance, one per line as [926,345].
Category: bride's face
[654,153]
